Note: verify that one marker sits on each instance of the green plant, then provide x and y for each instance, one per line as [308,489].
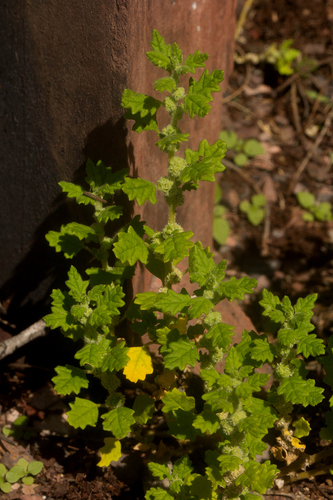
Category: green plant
[314,210]
[221,228]
[19,429]
[255,210]
[228,417]
[23,471]
[281,57]
[244,149]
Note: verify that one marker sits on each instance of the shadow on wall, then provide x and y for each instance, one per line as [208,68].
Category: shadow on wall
[27,292]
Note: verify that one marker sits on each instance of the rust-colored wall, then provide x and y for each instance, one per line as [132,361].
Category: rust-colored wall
[63,69]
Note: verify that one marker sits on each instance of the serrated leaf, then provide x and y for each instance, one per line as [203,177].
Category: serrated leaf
[109,213]
[93,354]
[199,93]
[142,109]
[158,494]
[259,477]
[228,463]
[144,408]
[220,335]
[257,424]
[69,244]
[82,413]
[69,379]
[201,263]
[199,306]
[204,169]
[117,358]
[146,300]
[207,421]
[77,287]
[158,59]
[181,353]
[263,350]
[130,248]
[196,60]
[119,421]
[272,307]
[177,400]
[161,471]
[60,316]
[139,364]
[236,288]
[175,247]
[181,427]
[311,345]
[166,83]
[170,139]
[299,391]
[159,44]
[72,190]
[140,190]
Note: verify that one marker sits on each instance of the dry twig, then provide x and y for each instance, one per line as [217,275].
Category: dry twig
[33,332]
[310,153]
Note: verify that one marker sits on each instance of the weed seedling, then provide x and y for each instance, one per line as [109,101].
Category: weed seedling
[314,210]
[254,209]
[244,149]
[23,471]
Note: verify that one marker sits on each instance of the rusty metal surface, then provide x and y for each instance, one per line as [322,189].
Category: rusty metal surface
[63,69]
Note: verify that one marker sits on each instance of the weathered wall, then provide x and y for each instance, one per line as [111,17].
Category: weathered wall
[64,66]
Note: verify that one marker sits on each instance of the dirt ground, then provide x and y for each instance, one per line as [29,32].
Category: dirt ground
[291,116]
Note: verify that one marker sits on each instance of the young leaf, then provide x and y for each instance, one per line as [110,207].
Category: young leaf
[165,142]
[77,287]
[166,83]
[140,190]
[82,413]
[118,421]
[177,400]
[69,379]
[259,477]
[15,474]
[310,346]
[61,305]
[175,247]
[302,428]
[193,61]
[110,452]
[201,263]
[131,248]
[35,467]
[272,307]
[199,93]
[237,288]
[139,364]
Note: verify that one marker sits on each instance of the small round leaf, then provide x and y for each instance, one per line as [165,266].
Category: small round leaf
[253,148]
[35,467]
[28,480]
[241,159]
[15,474]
